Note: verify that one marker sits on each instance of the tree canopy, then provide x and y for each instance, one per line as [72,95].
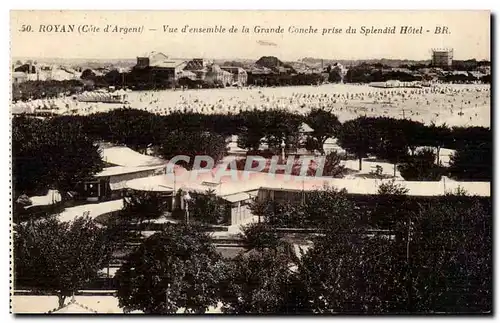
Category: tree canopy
[60,257]
[358,137]
[193,143]
[208,208]
[51,154]
[324,124]
[473,162]
[257,283]
[175,269]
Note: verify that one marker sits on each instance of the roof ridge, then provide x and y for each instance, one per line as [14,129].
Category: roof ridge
[72,301]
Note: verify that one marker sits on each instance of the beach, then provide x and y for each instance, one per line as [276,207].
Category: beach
[453,104]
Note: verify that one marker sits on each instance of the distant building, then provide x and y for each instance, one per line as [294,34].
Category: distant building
[26,68]
[198,66]
[484,69]
[219,76]
[171,69]
[19,77]
[160,67]
[442,57]
[240,76]
[275,64]
[259,70]
[40,72]
[150,59]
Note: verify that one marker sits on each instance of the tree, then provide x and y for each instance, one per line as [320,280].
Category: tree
[438,137]
[392,188]
[193,143]
[28,173]
[259,236]
[472,162]
[312,144]
[51,154]
[421,167]
[357,137]
[44,89]
[257,283]
[464,136]
[324,124]
[60,257]
[136,129]
[143,206]
[177,268]
[330,209]
[431,261]
[450,253]
[252,130]
[353,274]
[88,74]
[335,76]
[333,166]
[208,208]
[392,143]
[279,213]
[282,126]
[391,199]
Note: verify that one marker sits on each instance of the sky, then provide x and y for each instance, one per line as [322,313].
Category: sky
[469,34]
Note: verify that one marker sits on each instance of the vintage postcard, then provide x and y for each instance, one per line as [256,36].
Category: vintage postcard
[251,162]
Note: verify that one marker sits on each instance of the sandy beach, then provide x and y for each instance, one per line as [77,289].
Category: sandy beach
[453,104]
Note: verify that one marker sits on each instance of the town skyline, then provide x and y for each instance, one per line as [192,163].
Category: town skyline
[242,59]
[467,42]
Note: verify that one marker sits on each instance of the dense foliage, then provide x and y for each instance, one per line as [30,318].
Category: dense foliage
[257,283]
[143,206]
[473,162]
[51,154]
[60,258]
[324,124]
[421,167]
[192,144]
[45,89]
[175,269]
[314,209]
[208,208]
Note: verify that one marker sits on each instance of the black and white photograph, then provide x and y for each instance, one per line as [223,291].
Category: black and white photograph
[251,162]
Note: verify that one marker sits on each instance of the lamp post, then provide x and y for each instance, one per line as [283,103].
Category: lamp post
[187,198]
[283,150]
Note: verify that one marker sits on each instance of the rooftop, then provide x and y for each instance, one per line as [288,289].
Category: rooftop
[168,64]
[236,182]
[91,210]
[124,156]
[152,54]
[122,170]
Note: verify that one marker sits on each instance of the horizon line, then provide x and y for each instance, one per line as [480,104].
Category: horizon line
[249,59]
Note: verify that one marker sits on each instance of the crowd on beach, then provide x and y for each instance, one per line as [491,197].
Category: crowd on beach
[453,104]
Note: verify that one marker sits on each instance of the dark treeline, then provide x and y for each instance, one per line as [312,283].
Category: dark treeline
[147,80]
[286,79]
[51,153]
[150,79]
[47,89]
[366,73]
[54,152]
[391,253]
[370,212]
[379,254]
